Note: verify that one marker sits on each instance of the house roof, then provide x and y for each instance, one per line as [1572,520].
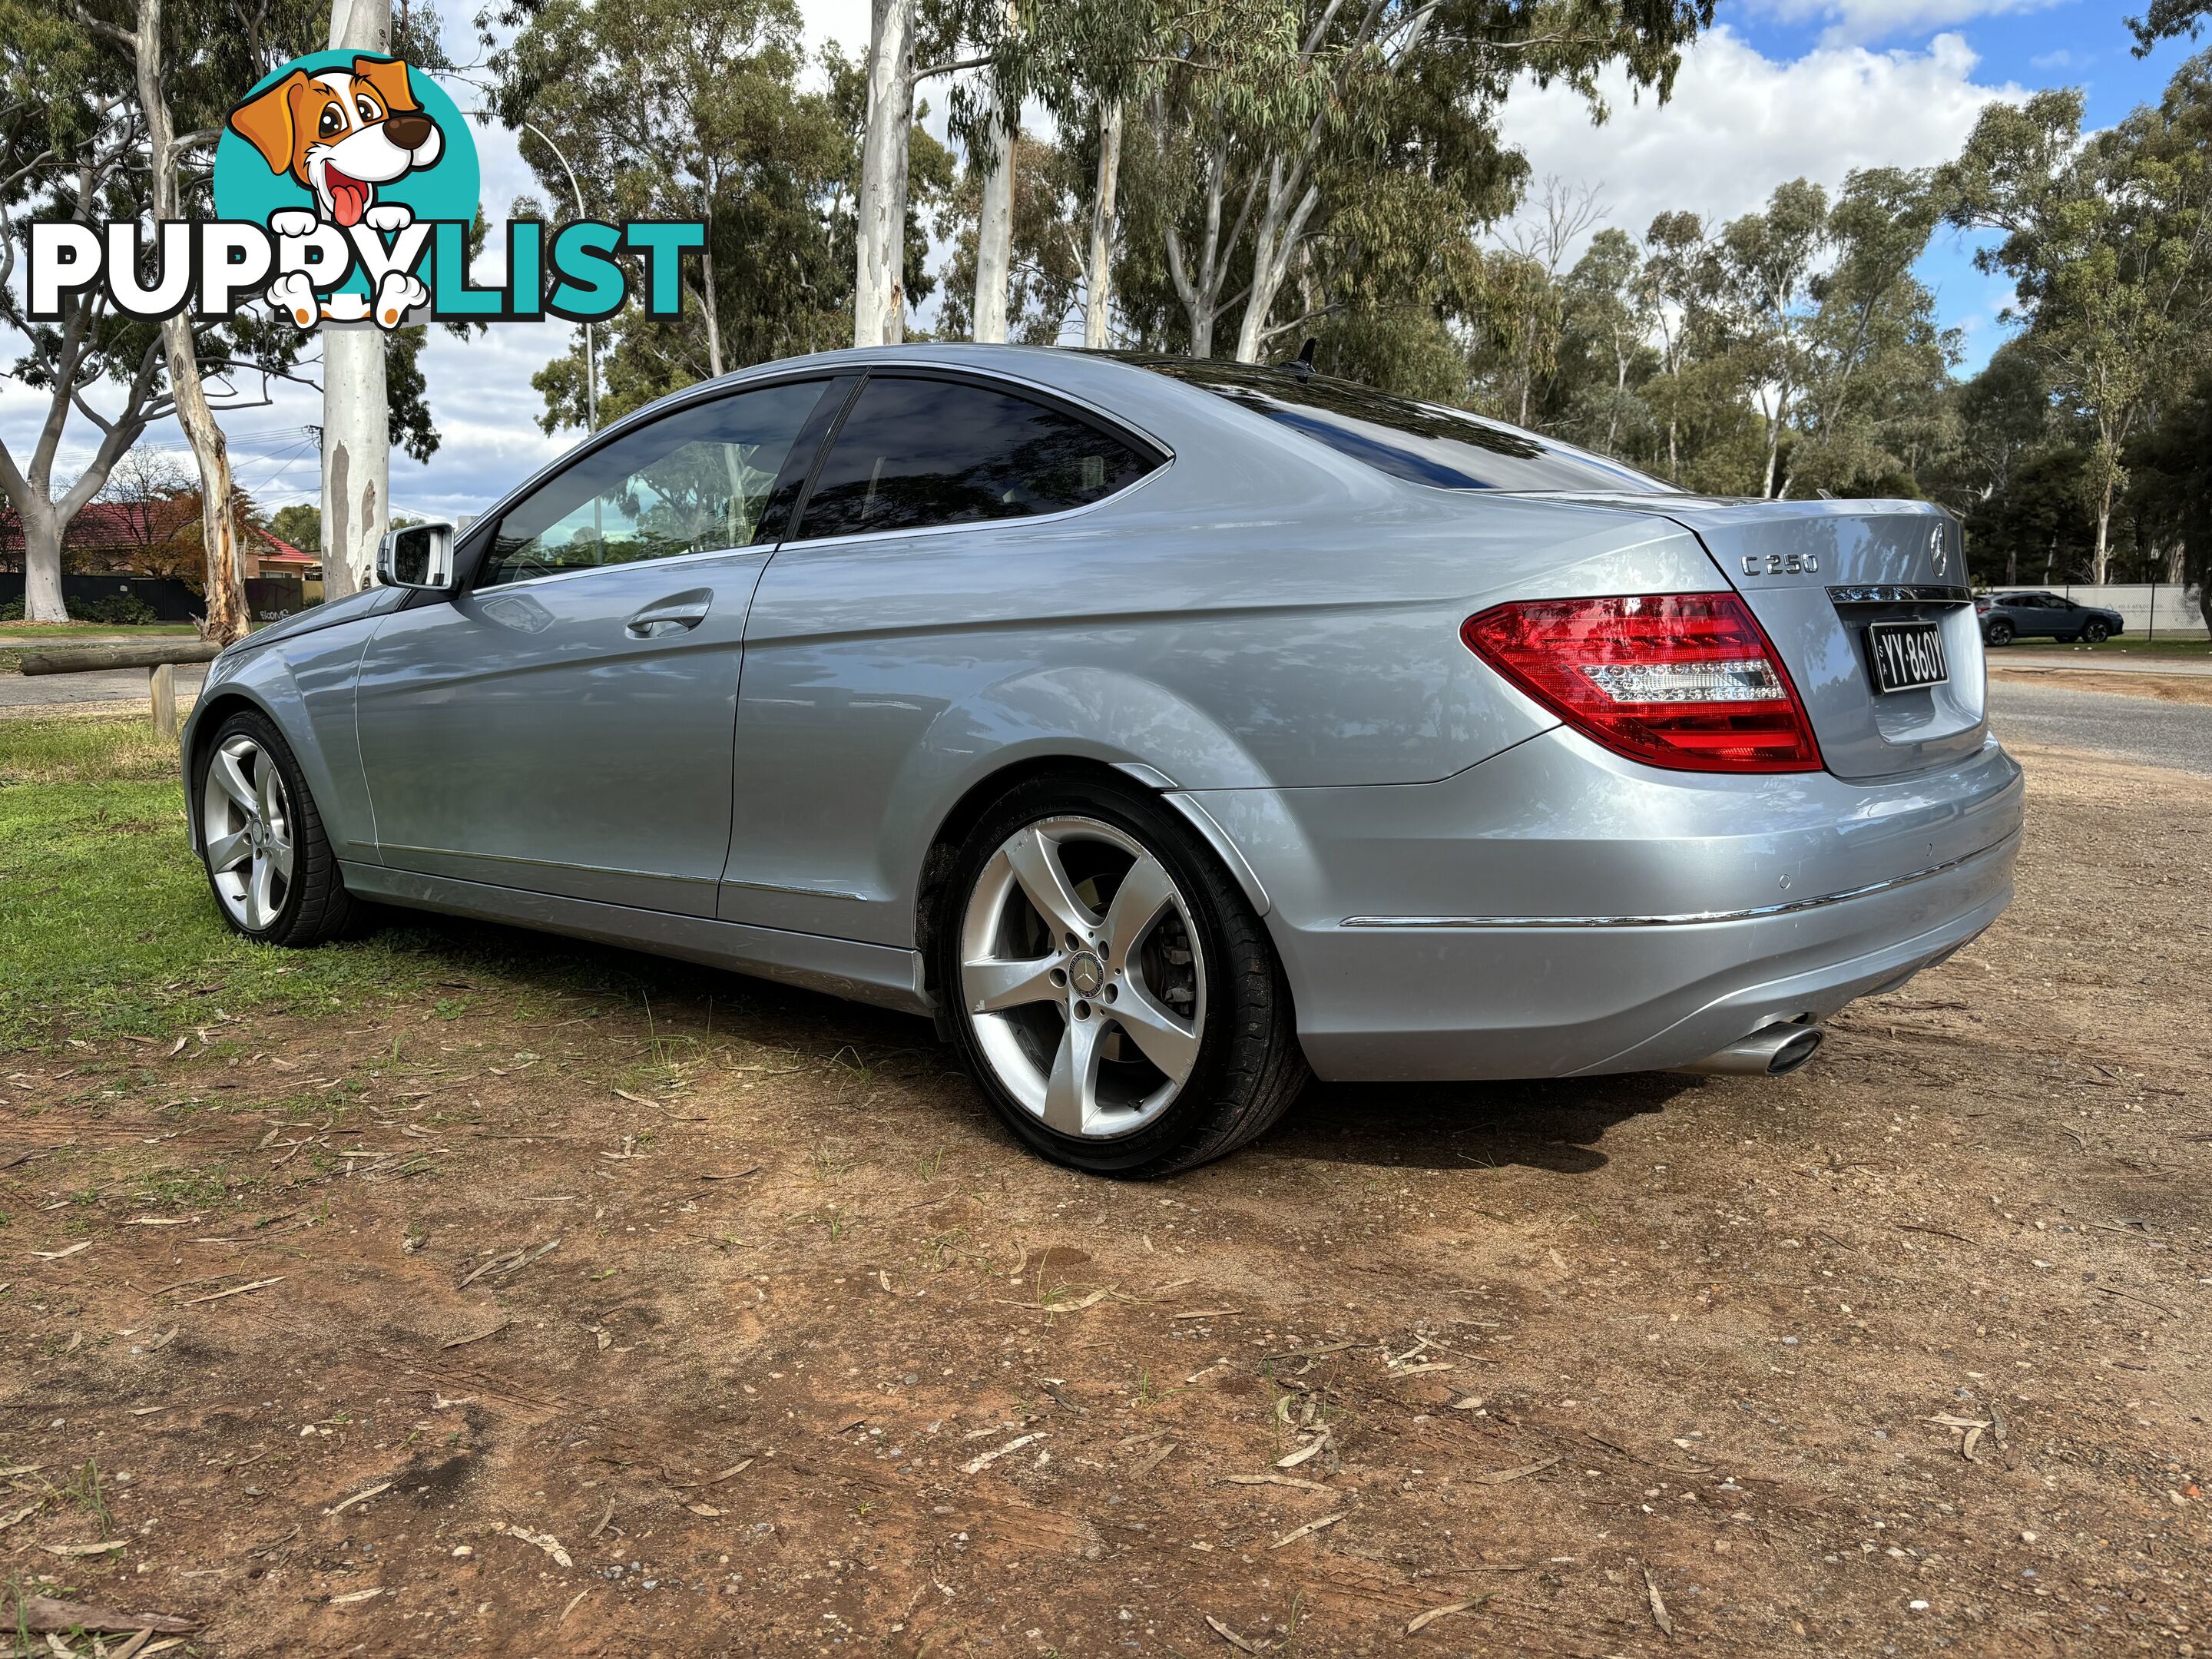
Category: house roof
[113,526]
[102,525]
[285,553]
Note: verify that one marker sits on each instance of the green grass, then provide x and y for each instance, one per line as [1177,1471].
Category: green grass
[84,751]
[106,921]
[2128,645]
[34,634]
[107,928]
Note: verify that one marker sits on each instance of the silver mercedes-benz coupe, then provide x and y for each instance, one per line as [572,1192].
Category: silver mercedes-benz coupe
[1166,729]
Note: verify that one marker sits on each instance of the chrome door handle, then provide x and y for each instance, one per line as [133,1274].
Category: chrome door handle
[671,616]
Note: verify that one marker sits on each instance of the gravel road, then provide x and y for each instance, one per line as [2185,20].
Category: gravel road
[2137,729]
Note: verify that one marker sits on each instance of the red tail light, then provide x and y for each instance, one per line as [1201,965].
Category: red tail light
[1682,680]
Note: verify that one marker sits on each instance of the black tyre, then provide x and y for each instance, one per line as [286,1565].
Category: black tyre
[269,863]
[1108,985]
[2097,632]
[1998,632]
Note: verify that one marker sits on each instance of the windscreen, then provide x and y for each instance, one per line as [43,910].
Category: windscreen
[1423,443]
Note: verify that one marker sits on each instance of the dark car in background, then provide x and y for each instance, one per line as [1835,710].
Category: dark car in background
[2007,616]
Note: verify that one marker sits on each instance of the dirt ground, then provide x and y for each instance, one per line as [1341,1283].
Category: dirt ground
[741,1330]
[2166,687]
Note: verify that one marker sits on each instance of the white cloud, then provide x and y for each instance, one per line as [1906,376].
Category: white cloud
[1875,20]
[1740,123]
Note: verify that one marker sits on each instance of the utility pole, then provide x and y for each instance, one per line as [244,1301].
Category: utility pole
[356,432]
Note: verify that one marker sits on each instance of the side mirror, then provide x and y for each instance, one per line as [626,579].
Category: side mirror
[421,555]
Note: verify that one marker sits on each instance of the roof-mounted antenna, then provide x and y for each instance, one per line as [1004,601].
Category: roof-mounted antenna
[1303,364]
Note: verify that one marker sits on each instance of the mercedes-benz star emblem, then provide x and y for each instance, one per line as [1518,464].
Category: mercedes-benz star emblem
[1086,974]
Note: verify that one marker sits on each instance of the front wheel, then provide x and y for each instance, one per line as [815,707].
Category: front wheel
[1110,989]
[274,877]
[2097,633]
[1998,632]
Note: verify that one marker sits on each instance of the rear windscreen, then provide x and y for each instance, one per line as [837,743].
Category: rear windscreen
[1423,443]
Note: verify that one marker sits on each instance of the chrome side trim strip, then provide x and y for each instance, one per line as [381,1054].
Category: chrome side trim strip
[1687,919]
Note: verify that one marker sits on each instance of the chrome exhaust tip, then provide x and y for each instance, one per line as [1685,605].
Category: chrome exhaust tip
[1770,1051]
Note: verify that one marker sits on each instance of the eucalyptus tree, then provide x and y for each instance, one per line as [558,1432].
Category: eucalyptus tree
[1046,246]
[684,109]
[2108,240]
[1877,365]
[106,107]
[2171,486]
[1272,172]
[70,137]
[1675,285]
[2168,20]
[1613,309]
[1767,261]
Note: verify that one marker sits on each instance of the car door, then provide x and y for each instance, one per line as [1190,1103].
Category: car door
[943,547]
[2049,616]
[564,725]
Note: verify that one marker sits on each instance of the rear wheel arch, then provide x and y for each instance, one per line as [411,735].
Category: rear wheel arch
[1250,1065]
[959,823]
[965,813]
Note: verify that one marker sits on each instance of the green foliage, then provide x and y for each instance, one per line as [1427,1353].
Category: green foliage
[2107,239]
[667,109]
[299,524]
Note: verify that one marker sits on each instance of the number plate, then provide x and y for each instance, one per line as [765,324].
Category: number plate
[1906,654]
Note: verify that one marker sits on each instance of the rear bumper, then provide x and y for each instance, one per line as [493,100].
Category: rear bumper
[1557,910]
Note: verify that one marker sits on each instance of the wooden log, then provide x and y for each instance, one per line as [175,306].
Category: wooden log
[161,683]
[87,658]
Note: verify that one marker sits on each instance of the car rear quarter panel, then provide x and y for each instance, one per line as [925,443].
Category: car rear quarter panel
[1259,614]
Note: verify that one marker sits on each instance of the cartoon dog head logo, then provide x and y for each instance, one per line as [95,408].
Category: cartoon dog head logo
[342,133]
[352,160]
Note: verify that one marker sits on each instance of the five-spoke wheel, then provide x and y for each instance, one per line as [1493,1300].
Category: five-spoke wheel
[245,823]
[267,858]
[1082,976]
[1110,987]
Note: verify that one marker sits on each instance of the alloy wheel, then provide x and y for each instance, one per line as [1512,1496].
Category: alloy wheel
[1082,977]
[246,825]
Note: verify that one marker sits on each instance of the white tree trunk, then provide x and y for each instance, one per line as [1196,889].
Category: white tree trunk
[42,565]
[1275,244]
[227,618]
[1098,295]
[356,423]
[707,292]
[994,232]
[879,281]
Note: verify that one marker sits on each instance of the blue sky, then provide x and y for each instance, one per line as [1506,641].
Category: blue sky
[2083,43]
[1780,88]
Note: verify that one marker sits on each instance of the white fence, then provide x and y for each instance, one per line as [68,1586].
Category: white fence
[2177,617]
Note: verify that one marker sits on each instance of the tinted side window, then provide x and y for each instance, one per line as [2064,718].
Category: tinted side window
[915,452]
[692,481]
